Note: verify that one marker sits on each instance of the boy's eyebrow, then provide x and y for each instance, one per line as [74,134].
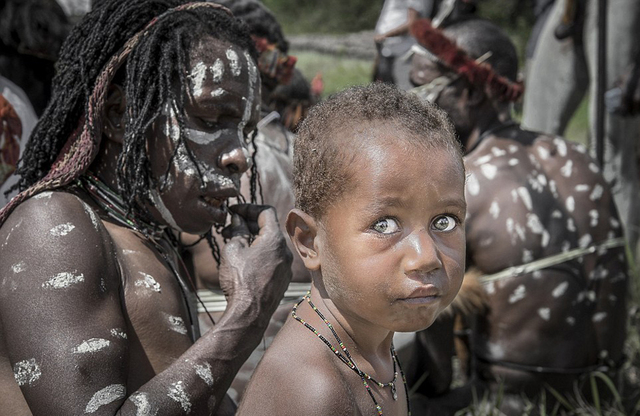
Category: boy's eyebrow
[394,201]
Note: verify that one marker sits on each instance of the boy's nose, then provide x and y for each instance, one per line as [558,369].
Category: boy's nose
[423,254]
[234,160]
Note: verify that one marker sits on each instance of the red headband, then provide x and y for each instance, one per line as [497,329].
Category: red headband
[481,74]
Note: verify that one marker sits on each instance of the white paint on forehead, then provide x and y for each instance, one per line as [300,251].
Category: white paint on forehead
[162,209]
[518,294]
[63,280]
[62,229]
[560,289]
[494,210]
[513,162]
[91,345]
[26,372]
[472,184]
[19,267]
[483,159]
[570,204]
[543,153]
[198,75]
[594,215]
[489,170]
[204,372]
[497,152]
[42,195]
[561,145]
[118,333]
[178,394]
[584,241]
[143,406]
[496,351]
[106,396]
[218,70]
[92,215]
[176,324]
[567,169]
[598,190]
[544,313]
[598,317]
[526,197]
[218,92]
[234,62]
[149,282]
[594,168]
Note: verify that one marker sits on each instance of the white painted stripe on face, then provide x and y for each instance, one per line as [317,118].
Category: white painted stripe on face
[234,63]
[149,282]
[178,393]
[162,209]
[26,372]
[248,107]
[198,75]
[63,280]
[106,396]
[62,229]
[218,70]
[91,345]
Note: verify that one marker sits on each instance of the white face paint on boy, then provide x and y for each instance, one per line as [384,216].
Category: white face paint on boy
[220,112]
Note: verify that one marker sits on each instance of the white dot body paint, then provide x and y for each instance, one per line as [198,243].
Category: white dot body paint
[543,153]
[525,196]
[43,195]
[614,222]
[19,267]
[118,333]
[598,317]
[204,372]
[218,92]
[489,171]
[556,214]
[582,188]
[91,345]
[560,289]
[234,62]
[63,280]
[571,204]
[597,192]
[518,294]
[594,168]
[494,210]
[584,241]
[482,160]
[198,75]
[513,162]
[176,324]
[106,396]
[496,351]
[472,184]
[128,252]
[544,313]
[217,69]
[498,152]
[62,229]
[571,320]
[177,393]
[149,282]
[571,225]
[567,169]
[143,407]
[26,372]
[527,256]
[561,145]
[594,215]
[92,215]
[490,288]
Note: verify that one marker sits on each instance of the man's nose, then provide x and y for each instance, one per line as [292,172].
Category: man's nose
[234,160]
[422,253]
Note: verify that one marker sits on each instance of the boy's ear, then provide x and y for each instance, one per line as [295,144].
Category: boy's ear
[113,113]
[303,231]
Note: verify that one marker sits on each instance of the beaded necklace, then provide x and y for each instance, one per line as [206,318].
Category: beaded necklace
[348,360]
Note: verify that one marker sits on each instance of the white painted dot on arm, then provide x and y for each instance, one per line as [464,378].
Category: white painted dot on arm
[178,394]
[560,290]
[63,280]
[62,229]
[26,372]
[544,313]
[106,396]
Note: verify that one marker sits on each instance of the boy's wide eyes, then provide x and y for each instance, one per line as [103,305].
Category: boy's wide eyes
[445,223]
[386,226]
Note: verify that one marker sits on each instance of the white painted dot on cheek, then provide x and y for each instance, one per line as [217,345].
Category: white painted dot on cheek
[198,75]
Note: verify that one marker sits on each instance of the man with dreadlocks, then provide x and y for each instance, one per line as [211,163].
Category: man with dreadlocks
[143,138]
[542,229]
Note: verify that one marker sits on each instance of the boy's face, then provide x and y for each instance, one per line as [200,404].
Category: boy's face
[221,110]
[392,248]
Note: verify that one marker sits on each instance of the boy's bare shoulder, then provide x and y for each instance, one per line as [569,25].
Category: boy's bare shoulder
[298,375]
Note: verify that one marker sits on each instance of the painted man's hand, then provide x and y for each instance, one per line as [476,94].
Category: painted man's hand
[255,268]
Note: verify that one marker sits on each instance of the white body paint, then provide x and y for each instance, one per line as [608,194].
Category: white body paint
[176,324]
[544,313]
[63,280]
[494,210]
[43,195]
[26,372]
[118,333]
[143,407]
[598,317]
[149,282]
[198,75]
[105,396]
[92,215]
[91,345]
[19,267]
[234,62]
[560,289]
[62,229]
[472,184]
[489,171]
[218,70]
[177,393]
[204,372]
[518,294]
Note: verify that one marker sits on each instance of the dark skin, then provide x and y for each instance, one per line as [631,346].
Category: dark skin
[531,196]
[376,244]
[101,301]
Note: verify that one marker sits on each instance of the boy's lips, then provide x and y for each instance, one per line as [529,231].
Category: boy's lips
[422,294]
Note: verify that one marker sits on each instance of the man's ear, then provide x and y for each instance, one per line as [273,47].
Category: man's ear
[303,231]
[474,95]
[113,113]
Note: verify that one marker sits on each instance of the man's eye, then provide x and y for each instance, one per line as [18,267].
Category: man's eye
[445,223]
[386,226]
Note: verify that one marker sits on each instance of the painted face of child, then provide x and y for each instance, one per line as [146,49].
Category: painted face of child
[392,248]
[221,110]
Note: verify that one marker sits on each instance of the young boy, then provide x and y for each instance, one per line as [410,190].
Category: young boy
[380,206]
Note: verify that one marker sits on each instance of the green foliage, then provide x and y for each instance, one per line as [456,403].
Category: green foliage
[325,16]
[338,72]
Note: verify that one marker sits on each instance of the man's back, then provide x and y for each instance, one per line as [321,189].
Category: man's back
[532,197]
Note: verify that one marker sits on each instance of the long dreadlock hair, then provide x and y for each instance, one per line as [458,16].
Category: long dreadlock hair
[156,65]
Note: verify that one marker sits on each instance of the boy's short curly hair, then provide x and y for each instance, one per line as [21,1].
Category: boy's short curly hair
[322,152]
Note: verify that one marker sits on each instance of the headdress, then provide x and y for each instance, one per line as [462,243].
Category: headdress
[82,146]
[478,73]
[272,62]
